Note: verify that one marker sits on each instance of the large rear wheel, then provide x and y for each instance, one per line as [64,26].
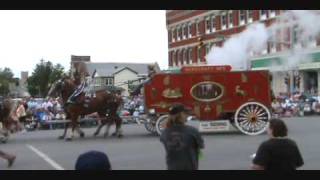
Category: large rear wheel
[252,118]
[160,124]
[150,125]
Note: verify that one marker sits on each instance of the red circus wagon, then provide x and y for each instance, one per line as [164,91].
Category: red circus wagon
[218,97]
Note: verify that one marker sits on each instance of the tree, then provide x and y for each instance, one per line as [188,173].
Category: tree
[43,76]
[6,77]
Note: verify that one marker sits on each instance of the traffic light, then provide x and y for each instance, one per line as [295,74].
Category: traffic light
[297,79]
[286,80]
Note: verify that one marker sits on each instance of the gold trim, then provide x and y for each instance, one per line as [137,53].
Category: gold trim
[161,104]
[166,81]
[240,92]
[172,93]
[244,78]
[219,109]
[207,82]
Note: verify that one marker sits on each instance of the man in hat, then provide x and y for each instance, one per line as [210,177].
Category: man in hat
[93,160]
[182,142]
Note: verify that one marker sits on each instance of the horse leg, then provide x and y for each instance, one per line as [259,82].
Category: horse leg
[74,125]
[65,131]
[78,129]
[102,123]
[109,123]
[118,122]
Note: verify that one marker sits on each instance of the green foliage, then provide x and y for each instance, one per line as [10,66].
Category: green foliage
[6,77]
[44,74]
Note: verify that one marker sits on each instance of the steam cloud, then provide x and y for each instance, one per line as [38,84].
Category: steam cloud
[236,50]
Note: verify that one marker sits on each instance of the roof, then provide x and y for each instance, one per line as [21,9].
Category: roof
[108,69]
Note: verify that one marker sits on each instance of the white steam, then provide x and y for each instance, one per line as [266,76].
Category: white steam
[236,50]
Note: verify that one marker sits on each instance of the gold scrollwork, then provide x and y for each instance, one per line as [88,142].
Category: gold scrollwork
[161,104]
[207,109]
[244,78]
[240,92]
[166,81]
[172,93]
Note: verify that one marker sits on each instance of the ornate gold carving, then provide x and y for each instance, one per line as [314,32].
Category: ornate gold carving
[206,77]
[219,109]
[166,81]
[207,109]
[244,78]
[172,93]
[154,93]
[240,92]
[196,110]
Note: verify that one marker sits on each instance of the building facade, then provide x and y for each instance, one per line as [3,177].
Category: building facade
[193,33]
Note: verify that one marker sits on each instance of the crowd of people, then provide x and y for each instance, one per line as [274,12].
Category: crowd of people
[32,113]
[297,104]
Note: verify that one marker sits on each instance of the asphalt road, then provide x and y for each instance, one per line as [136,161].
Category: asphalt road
[138,150]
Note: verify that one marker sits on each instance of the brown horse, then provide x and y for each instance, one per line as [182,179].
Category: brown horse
[106,104]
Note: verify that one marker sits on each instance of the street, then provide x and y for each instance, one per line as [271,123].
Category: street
[139,150]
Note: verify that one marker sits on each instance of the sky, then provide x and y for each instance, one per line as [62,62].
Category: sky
[26,37]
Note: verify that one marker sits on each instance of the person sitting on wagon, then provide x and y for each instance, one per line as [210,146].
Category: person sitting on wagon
[151,72]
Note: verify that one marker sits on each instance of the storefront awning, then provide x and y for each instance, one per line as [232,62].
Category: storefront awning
[277,62]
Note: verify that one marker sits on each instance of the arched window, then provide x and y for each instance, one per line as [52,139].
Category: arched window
[190,56]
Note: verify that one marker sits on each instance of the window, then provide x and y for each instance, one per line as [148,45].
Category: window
[242,17]
[213,23]
[109,81]
[185,35]
[208,30]
[173,57]
[272,47]
[174,34]
[199,54]
[190,55]
[177,58]
[185,56]
[223,21]
[207,49]
[272,13]
[197,27]
[230,19]
[263,14]
[250,16]
[189,30]
[312,42]
[179,33]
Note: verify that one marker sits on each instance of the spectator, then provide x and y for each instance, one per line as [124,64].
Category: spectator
[182,142]
[93,160]
[9,157]
[279,152]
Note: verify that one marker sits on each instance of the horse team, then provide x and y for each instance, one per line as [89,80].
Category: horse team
[107,105]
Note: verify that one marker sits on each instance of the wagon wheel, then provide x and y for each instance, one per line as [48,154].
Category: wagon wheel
[160,123]
[151,127]
[252,118]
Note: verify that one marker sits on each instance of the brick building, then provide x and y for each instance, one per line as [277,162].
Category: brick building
[192,34]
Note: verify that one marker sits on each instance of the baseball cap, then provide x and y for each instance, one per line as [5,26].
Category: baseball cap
[177,108]
[93,160]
